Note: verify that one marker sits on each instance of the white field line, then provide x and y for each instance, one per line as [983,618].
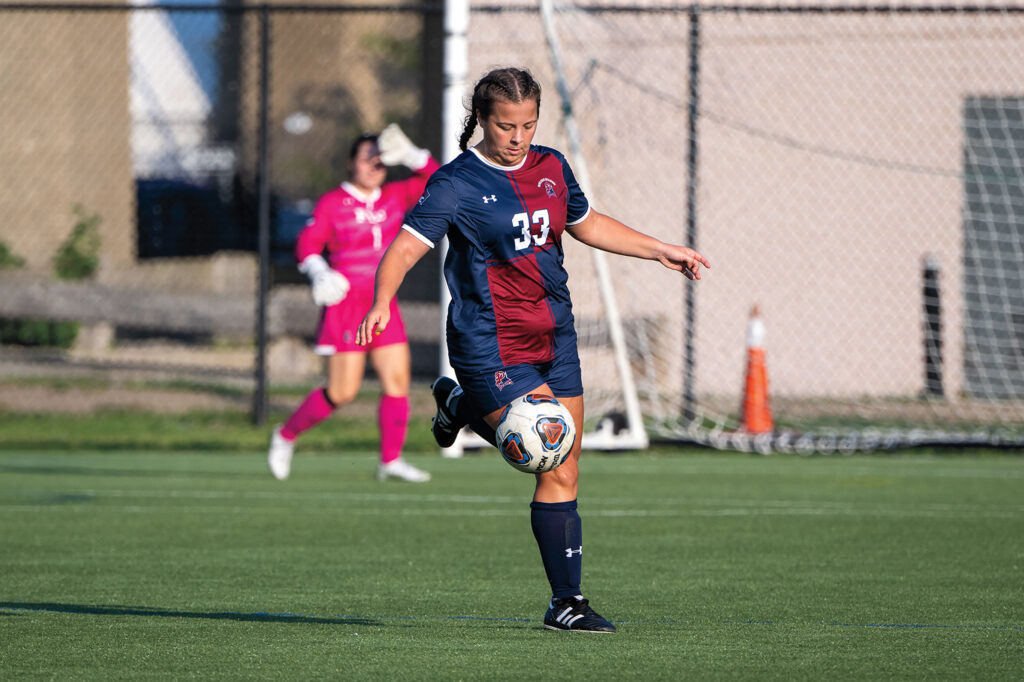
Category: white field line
[816,467]
[279,495]
[456,505]
[748,511]
[518,501]
[880,466]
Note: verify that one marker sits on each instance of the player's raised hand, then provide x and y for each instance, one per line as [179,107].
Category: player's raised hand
[374,324]
[683,259]
[396,148]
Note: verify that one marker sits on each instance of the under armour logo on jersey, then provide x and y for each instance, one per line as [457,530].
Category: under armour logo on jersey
[489,199]
[569,551]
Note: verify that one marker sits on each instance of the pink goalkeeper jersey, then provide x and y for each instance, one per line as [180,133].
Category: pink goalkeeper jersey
[356,228]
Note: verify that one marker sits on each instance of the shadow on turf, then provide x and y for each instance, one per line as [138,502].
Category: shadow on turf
[99,610]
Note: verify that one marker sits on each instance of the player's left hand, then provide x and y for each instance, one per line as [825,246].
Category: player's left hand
[683,259]
[329,288]
[395,148]
[374,324]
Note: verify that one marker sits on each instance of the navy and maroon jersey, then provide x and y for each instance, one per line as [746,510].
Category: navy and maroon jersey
[510,303]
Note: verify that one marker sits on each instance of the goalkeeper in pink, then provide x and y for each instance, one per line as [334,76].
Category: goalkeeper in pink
[354,224]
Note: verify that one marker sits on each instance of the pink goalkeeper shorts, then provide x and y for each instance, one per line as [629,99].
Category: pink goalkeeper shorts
[338,324]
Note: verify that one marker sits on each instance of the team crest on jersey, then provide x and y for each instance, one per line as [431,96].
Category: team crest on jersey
[426,195]
[549,186]
[501,379]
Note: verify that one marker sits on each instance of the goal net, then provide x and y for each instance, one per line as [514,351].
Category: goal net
[856,173]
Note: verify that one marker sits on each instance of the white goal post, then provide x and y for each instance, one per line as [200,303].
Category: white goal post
[606,436]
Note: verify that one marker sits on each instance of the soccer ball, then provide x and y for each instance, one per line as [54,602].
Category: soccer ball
[535,433]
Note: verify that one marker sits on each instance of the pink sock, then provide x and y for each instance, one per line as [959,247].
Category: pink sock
[393,417]
[313,410]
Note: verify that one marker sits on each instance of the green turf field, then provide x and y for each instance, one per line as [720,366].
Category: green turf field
[144,564]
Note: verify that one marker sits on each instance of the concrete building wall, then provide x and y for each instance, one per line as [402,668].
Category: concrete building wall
[65,140]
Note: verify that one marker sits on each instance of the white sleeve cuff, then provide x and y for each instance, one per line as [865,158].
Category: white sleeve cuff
[313,264]
[419,236]
[580,219]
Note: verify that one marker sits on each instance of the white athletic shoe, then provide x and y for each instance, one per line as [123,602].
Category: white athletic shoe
[279,458]
[399,468]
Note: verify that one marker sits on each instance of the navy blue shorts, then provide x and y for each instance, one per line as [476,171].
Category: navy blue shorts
[494,389]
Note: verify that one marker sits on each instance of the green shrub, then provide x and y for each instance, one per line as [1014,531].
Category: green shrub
[78,257]
[8,259]
[38,333]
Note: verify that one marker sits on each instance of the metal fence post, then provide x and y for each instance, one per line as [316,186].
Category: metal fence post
[693,111]
[260,396]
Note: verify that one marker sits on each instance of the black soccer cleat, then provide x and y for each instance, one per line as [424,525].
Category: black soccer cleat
[444,425]
[575,615]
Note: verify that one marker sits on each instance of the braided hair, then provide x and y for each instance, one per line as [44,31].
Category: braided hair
[509,84]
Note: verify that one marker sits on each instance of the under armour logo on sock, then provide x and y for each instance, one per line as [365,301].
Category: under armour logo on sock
[569,551]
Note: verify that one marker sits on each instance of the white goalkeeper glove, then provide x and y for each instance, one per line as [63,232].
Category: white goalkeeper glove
[395,148]
[329,285]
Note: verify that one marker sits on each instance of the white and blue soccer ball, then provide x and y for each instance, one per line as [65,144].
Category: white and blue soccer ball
[535,433]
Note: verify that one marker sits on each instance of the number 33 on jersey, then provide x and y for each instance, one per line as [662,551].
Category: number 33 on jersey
[501,210]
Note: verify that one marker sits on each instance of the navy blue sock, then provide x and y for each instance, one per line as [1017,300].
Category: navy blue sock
[559,533]
[465,413]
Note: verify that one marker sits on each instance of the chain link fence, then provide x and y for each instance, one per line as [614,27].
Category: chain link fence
[855,172]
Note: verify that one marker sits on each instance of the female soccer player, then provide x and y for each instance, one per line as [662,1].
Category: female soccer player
[355,223]
[504,205]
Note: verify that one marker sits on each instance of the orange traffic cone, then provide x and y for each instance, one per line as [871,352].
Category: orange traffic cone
[757,413]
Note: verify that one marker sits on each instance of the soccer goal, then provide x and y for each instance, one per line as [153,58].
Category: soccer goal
[857,173]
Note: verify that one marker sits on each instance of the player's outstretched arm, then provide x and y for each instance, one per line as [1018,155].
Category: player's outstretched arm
[403,253]
[608,234]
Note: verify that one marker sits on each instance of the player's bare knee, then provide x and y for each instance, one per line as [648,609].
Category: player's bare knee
[340,396]
[564,477]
